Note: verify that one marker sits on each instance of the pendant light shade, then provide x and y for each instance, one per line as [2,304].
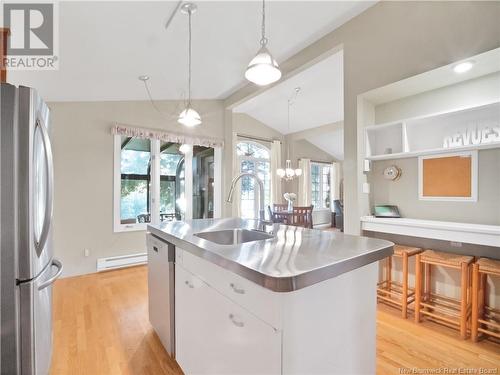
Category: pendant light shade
[263,68]
[189,117]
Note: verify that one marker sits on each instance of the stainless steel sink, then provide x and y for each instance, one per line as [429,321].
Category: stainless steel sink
[234,236]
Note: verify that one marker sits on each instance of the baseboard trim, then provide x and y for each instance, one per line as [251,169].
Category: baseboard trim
[121,261]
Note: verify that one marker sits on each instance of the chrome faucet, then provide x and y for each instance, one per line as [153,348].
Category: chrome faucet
[261,192]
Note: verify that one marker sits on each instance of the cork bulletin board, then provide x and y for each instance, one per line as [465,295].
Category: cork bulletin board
[448,177]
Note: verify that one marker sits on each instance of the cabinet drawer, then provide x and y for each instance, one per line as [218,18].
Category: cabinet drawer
[214,335]
[264,303]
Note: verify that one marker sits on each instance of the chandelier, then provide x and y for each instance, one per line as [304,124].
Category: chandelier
[289,173]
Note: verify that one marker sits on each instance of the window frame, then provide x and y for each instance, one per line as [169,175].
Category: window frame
[118,227]
[321,185]
[255,160]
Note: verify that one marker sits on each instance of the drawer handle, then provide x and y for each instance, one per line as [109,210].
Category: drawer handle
[189,284]
[235,322]
[236,289]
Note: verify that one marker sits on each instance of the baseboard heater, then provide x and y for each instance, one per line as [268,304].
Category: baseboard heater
[110,263]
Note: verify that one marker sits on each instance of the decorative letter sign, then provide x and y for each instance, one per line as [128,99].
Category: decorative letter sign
[477,136]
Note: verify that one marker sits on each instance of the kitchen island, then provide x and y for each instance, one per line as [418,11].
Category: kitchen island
[252,298]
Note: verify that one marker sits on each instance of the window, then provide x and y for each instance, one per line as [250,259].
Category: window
[321,185]
[152,181]
[254,158]
[135,180]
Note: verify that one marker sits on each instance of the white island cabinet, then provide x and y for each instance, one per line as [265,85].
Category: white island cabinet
[214,335]
[226,324]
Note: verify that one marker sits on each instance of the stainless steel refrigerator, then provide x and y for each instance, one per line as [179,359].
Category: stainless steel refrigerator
[27,266]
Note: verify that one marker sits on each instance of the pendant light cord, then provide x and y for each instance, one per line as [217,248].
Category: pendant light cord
[189,60]
[290,102]
[288,122]
[263,40]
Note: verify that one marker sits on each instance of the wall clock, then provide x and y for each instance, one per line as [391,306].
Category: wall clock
[392,173]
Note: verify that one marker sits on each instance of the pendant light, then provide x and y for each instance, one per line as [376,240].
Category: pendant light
[289,173]
[189,117]
[263,69]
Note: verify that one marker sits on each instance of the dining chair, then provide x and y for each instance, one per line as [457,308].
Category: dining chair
[280,207]
[274,213]
[302,216]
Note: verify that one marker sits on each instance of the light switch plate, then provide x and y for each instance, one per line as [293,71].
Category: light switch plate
[367,165]
[366,188]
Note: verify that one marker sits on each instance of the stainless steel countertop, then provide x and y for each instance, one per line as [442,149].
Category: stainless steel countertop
[293,259]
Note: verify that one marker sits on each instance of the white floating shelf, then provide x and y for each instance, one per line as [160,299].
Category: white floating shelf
[435,134]
[412,154]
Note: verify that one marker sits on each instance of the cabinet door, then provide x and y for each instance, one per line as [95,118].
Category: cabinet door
[216,336]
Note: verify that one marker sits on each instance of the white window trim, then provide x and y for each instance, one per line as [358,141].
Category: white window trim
[118,227]
[321,165]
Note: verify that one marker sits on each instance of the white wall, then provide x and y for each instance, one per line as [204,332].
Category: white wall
[83,161]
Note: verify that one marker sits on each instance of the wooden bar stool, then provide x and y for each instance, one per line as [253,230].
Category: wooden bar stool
[448,311]
[485,319]
[391,292]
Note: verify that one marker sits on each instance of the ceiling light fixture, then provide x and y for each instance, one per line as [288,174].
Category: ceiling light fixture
[189,117]
[289,173]
[463,67]
[263,68]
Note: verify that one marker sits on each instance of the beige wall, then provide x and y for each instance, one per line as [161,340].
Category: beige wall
[404,192]
[300,148]
[387,43]
[247,125]
[83,161]
[471,93]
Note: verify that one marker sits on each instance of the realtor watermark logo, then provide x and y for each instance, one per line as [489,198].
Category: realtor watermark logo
[33,40]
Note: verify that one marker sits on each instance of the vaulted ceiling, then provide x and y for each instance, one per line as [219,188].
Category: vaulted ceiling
[105,46]
[320,100]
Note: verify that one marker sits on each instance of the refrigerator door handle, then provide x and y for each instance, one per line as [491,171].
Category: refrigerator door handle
[44,233]
[57,263]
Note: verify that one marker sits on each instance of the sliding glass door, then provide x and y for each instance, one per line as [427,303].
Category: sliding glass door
[157,181]
[171,182]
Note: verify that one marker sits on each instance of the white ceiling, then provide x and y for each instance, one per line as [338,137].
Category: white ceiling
[105,46]
[320,101]
[332,142]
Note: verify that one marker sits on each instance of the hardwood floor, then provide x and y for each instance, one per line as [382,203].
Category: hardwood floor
[101,326]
